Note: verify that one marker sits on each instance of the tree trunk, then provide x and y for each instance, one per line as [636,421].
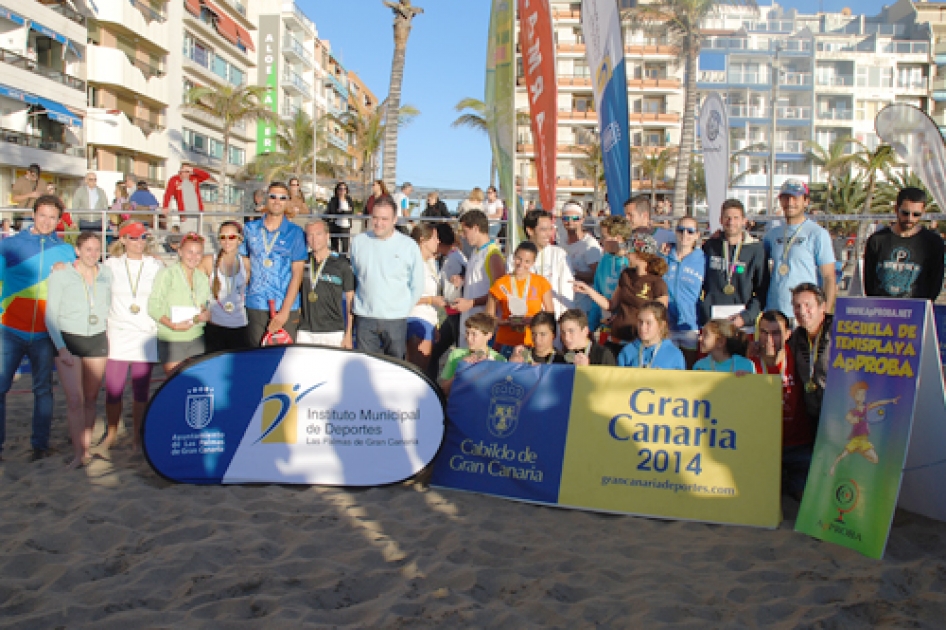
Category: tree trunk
[688,132]
[224,162]
[389,165]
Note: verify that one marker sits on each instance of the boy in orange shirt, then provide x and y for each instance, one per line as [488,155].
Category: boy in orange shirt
[516,297]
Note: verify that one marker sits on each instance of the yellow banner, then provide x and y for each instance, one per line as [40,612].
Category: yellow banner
[685,445]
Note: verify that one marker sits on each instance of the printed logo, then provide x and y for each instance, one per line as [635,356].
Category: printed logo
[713,125]
[898,274]
[199,407]
[846,495]
[504,405]
[280,419]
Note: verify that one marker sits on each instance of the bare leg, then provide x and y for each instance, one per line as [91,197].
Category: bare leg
[70,377]
[871,456]
[138,416]
[93,372]
[418,352]
[113,418]
[843,454]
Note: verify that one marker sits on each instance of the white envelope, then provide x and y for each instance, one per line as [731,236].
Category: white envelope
[181,314]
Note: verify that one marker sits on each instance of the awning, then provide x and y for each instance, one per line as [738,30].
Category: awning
[54,110]
[227,28]
[13,17]
[67,43]
[193,7]
[245,37]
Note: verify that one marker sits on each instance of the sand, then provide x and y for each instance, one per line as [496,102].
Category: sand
[115,546]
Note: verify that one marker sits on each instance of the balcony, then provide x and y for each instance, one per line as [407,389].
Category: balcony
[940,48]
[571,49]
[117,130]
[338,141]
[295,84]
[110,66]
[790,112]
[654,85]
[289,111]
[836,114]
[294,50]
[790,146]
[292,13]
[835,80]
[749,78]
[55,156]
[651,50]
[563,15]
[137,17]
[649,118]
[337,85]
[939,118]
[67,12]
[29,65]
[570,80]
[913,84]
[590,117]
[795,79]
[939,84]
[41,143]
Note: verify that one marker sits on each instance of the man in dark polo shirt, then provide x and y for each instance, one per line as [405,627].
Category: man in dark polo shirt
[327,279]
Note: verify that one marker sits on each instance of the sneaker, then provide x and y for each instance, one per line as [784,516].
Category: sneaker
[38,454]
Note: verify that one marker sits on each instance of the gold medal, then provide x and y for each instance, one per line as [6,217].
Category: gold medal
[135,309]
[810,387]
[228,307]
[268,263]
[313,297]
[729,289]
[783,269]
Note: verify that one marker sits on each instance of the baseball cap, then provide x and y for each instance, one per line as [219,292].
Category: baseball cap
[133,228]
[642,243]
[794,187]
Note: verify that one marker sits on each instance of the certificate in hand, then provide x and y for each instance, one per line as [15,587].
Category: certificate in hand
[181,314]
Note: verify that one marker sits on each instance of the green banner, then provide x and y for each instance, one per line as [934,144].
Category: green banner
[269,53]
[500,94]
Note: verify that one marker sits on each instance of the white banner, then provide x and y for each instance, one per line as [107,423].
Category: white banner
[714,136]
[918,142]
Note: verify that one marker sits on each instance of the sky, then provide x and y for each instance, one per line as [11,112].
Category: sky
[446,61]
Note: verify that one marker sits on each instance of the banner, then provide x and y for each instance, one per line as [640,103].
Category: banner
[880,359]
[917,140]
[601,26]
[500,93]
[939,312]
[714,136]
[538,54]
[660,443]
[268,60]
[293,414]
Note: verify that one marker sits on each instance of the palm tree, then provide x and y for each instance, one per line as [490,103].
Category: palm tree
[295,141]
[896,180]
[403,14]
[654,167]
[696,186]
[591,162]
[735,178]
[880,159]
[232,105]
[475,115]
[367,131]
[679,22]
[833,161]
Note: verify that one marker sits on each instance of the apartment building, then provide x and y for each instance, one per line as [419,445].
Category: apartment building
[655,105]
[42,93]
[934,14]
[834,72]
[128,91]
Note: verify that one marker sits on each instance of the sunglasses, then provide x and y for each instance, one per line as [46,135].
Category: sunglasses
[571,219]
[193,236]
[143,237]
[279,197]
[915,215]
[688,230]
[230,237]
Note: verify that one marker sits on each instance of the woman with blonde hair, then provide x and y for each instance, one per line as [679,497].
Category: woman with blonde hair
[132,335]
[473,202]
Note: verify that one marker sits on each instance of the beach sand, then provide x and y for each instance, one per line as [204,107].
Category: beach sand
[116,546]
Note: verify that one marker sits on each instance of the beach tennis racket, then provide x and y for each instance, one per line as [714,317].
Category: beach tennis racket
[280,337]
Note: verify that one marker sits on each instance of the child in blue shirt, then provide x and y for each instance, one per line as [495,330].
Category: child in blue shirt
[652,349]
[725,347]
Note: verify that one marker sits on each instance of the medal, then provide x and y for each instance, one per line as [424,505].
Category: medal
[313,297]
[315,276]
[135,309]
[810,387]
[90,293]
[569,357]
[731,265]
[268,263]
[93,320]
[783,269]
[729,289]
[228,307]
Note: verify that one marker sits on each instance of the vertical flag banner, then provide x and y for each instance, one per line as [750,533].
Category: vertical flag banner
[268,60]
[538,54]
[714,136]
[500,92]
[917,140]
[879,364]
[601,26]
[661,443]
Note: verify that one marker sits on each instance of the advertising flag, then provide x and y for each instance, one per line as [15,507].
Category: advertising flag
[714,136]
[917,140]
[268,60]
[876,370]
[538,53]
[500,93]
[601,26]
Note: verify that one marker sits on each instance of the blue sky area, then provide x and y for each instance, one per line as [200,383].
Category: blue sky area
[446,61]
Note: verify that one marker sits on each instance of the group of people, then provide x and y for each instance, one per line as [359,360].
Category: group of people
[642,297]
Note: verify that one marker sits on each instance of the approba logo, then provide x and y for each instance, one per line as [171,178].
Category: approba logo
[504,405]
[280,417]
[199,407]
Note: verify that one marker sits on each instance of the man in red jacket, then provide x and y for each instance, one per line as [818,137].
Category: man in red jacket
[184,188]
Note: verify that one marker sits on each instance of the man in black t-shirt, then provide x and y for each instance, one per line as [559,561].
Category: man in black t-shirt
[327,279]
[905,260]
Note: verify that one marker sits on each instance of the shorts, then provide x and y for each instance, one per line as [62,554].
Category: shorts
[859,444]
[87,347]
[420,329]
[177,351]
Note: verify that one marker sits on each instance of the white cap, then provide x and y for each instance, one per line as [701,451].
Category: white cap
[574,206]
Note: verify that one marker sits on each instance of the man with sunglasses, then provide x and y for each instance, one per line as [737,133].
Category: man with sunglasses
[582,249]
[905,260]
[737,273]
[275,250]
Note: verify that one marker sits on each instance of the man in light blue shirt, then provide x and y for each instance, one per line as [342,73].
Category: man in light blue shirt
[799,250]
[389,273]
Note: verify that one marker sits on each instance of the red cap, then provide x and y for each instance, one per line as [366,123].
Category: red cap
[133,228]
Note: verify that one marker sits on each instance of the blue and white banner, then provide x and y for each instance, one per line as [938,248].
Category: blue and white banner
[294,414]
[714,137]
[601,26]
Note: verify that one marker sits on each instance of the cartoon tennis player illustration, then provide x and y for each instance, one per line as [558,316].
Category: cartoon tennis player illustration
[858,441]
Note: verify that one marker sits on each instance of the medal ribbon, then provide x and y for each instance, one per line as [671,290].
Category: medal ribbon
[790,243]
[190,285]
[228,281]
[731,267]
[134,287]
[813,354]
[653,357]
[314,280]
[267,244]
[89,294]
